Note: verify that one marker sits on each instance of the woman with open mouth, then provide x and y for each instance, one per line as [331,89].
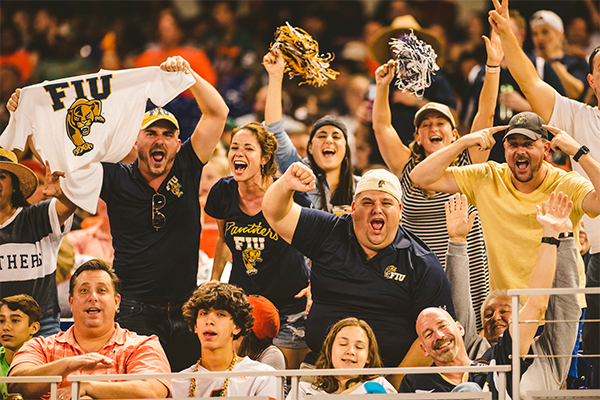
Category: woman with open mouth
[423,211]
[263,263]
[328,150]
[350,344]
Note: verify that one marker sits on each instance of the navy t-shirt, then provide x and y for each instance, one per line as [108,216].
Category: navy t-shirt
[155,265]
[263,263]
[388,291]
[499,354]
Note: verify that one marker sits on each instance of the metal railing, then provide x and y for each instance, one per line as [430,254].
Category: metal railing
[516,366]
[295,375]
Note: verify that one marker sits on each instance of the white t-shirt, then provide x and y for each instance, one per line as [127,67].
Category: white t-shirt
[238,386]
[583,123]
[78,122]
[306,388]
[273,356]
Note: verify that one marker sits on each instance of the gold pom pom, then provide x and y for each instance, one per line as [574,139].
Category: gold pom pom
[301,55]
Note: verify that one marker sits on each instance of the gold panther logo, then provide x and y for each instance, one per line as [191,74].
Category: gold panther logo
[251,257]
[80,117]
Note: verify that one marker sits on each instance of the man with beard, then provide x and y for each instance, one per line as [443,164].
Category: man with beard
[506,195]
[155,220]
[443,339]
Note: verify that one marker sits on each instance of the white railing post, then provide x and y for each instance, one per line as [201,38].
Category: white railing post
[516,356]
[295,386]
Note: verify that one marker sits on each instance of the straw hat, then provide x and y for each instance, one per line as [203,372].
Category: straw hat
[28,181]
[379,47]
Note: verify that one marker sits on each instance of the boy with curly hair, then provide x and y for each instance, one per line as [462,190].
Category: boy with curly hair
[219,313]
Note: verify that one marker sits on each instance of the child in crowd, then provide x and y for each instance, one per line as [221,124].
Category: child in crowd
[350,344]
[258,343]
[19,321]
[219,313]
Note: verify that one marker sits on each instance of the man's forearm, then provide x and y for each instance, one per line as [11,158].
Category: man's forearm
[152,389]
[591,203]
[413,358]
[36,390]
[277,202]
[433,167]
[208,98]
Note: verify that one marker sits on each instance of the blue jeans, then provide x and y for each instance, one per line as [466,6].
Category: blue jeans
[165,321]
[49,326]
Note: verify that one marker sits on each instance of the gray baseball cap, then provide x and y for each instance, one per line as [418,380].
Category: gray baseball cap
[527,124]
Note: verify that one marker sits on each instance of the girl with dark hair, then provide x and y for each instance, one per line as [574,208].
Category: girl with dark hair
[350,344]
[30,268]
[263,263]
[328,150]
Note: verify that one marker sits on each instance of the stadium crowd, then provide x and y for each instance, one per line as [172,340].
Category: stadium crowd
[169,202]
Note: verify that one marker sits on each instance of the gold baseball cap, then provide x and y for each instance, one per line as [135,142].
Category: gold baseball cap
[157,114]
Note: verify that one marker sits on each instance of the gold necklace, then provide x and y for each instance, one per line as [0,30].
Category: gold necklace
[225,384]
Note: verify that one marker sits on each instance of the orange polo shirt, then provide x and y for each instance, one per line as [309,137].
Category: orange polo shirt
[131,353]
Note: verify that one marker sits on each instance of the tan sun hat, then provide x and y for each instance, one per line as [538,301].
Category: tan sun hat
[379,47]
[28,180]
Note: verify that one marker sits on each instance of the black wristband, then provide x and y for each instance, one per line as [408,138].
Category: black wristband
[582,150]
[551,240]
[564,235]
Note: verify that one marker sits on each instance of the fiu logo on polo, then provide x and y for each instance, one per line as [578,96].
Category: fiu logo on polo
[175,187]
[80,117]
[390,273]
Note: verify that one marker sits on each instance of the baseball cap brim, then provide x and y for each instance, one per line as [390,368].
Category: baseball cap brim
[150,118]
[525,132]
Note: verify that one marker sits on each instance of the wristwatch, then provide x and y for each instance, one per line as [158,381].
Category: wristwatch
[551,240]
[582,150]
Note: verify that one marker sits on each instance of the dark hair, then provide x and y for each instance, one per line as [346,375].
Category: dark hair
[17,198]
[330,384]
[26,304]
[252,346]
[267,143]
[96,265]
[344,192]
[220,296]
[591,59]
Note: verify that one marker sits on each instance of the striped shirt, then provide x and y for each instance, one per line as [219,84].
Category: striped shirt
[426,217]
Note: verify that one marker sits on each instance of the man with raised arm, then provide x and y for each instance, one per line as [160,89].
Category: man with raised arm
[506,195]
[95,344]
[442,338]
[155,218]
[364,264]
[577,119]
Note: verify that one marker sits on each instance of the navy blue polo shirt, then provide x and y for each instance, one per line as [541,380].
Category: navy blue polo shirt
[388,291]
[155,265]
